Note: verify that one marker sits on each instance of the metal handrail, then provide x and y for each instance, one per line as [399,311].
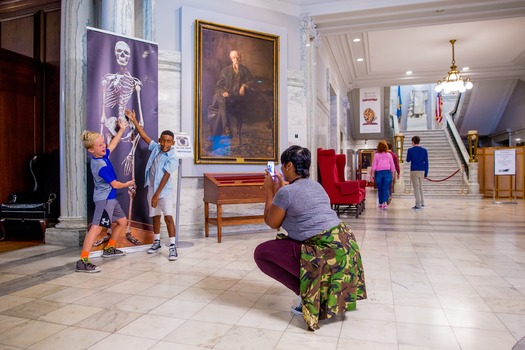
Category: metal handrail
[458,142]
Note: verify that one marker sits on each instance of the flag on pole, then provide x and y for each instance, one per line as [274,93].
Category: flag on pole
[399,103]
[439,108]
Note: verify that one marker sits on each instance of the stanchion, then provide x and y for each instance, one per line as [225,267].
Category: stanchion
[181,244]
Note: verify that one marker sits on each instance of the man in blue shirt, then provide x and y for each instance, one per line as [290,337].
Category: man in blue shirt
[161,164]
[417,156]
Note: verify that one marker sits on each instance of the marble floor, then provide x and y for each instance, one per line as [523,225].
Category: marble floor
[449,277]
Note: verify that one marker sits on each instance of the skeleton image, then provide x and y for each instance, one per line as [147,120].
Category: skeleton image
[117,90]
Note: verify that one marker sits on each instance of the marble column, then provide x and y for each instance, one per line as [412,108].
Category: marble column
[297,128]
[118,16]
[71,229]
[144,19]
[310,41]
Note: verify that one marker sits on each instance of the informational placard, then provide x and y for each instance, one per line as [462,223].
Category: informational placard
[505,162]
[183,146]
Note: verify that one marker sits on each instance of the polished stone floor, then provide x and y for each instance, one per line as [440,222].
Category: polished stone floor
[449,277]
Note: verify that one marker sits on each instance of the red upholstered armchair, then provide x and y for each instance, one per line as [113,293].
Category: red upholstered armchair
[340,161]
[344,195]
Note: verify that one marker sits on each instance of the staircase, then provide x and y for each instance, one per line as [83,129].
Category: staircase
[443,162]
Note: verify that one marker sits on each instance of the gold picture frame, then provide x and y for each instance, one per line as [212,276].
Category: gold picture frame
[236,95]
[365,159]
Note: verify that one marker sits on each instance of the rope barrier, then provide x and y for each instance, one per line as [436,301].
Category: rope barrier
[457,171]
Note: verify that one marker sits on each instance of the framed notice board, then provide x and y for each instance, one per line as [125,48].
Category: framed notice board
[504,165]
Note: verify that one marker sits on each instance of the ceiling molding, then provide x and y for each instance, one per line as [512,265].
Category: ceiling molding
[12,9]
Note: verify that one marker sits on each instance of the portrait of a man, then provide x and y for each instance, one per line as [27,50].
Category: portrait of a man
[231,94]
[236,92]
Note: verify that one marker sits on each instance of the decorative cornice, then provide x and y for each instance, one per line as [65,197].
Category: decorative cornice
[309,27]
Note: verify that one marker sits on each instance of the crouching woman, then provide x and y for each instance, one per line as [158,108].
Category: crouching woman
[319,258]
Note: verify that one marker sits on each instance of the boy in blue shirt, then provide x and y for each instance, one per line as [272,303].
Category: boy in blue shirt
[161,164]
[417,156]
[107,208]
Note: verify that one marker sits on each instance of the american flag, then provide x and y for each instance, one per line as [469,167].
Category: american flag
[439,108]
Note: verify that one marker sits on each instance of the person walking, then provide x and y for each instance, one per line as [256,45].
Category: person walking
[398,171]
[417,156]
[383,170]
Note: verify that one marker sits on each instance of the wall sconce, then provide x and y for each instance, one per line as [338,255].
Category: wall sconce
[399,140]
[472,138]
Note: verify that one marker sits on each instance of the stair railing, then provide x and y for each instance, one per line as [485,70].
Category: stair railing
[459,145]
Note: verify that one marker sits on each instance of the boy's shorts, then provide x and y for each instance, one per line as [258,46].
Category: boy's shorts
[164,206]
[106,212]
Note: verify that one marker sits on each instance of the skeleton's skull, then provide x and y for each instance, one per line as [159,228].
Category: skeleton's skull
[122,53]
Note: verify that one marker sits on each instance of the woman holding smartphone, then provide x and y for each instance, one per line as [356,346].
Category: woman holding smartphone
[299,260]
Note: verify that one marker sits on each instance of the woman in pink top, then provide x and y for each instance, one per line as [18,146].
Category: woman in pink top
[383,170]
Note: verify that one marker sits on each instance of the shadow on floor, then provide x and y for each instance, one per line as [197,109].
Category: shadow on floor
[20,235]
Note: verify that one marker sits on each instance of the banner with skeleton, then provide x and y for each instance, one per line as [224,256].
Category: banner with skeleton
[122,73]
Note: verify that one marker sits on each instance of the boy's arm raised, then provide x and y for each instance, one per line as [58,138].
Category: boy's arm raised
[131,116]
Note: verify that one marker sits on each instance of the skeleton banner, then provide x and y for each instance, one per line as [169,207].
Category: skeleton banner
[122,73]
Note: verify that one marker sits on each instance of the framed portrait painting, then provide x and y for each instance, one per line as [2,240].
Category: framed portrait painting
[236,95]
[365,159]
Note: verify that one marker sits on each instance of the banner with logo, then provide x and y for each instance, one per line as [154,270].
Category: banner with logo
[370,110]
[122,73]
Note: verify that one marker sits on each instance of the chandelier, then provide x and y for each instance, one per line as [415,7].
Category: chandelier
[453,81]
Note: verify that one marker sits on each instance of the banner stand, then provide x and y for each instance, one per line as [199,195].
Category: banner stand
[494,193]
[183,149]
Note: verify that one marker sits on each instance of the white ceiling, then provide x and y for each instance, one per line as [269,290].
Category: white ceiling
[416,37]
[401,35]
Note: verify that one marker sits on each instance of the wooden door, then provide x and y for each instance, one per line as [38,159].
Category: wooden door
[20,120]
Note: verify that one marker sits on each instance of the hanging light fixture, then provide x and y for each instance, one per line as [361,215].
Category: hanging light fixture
[453,81]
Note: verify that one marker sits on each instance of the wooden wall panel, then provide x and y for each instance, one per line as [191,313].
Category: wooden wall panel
[29,88]
[13,30]
[52,82]
[505,185]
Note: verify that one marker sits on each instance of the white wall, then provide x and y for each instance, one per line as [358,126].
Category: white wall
[514,115]
[169,21]
[175,31]
[175,37]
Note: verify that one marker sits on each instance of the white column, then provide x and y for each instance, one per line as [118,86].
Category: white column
[75,16]
[118,16]
[310,41]
[144,19]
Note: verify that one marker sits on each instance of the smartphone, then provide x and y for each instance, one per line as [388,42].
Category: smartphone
[271,168]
